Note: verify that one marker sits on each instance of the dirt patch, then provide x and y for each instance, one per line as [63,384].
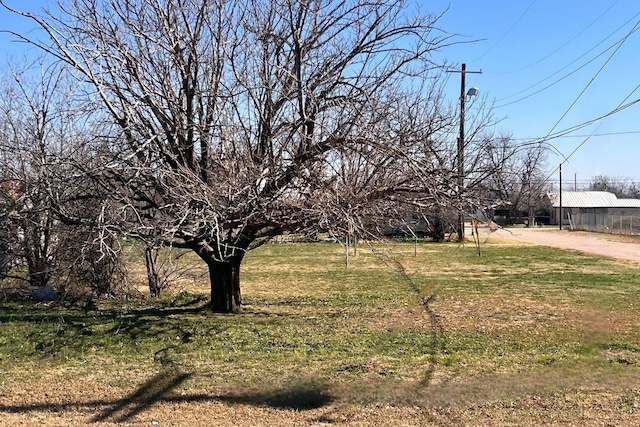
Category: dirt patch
[594,243]
[110,407]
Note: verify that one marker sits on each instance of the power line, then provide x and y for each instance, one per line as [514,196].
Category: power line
[506,33]
[588,181]
[565,132]
[568,42]
[555,82]
[632,132]
[589,137]
[617,43]
[594,78]
[561,134]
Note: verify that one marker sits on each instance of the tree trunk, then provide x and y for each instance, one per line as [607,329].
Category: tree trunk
[37,266]
[38,273]
[438,227]
[532,217]
[152,271]
[225,285]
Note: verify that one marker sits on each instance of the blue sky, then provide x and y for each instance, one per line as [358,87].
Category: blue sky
[585,51]
[572,46]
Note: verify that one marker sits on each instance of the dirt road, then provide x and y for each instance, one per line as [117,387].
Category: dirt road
[595,243]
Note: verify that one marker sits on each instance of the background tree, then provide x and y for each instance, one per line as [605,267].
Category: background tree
[29,113]
[622,188]
[503,189]
[533,180]
[239,121]
[518,182]
[49,210]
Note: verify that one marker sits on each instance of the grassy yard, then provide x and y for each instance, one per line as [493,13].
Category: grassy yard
[524,335]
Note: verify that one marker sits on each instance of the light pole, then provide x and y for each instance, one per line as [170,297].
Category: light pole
[472,92]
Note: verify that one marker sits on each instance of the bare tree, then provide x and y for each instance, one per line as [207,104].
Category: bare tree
[50,210]
[29,115]
[534,182]
[518,179]
[622,188]
[239,121]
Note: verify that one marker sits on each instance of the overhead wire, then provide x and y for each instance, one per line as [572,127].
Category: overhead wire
[622,106]
[563,133]
[616,109]
[506,33]
[590,136]
[589,180]
[635,27]
[565,44]
[631,132]
[617,43]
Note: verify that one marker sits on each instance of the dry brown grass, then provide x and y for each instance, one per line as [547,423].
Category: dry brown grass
[510,342]
[454,404]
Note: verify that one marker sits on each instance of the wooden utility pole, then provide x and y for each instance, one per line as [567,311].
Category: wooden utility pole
[560,196]
[463,73]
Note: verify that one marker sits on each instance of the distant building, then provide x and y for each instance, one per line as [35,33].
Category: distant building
[590,202]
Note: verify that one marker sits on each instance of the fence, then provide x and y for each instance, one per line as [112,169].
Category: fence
[605,223]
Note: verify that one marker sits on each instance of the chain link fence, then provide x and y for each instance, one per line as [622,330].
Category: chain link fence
[605,223]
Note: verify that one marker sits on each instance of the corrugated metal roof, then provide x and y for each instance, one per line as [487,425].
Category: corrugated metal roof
[591,199]
[629,203]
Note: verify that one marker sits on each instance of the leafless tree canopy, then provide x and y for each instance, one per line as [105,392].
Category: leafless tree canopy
[31,134]
[48,209]
[621,187]
[517,182]
[238,121]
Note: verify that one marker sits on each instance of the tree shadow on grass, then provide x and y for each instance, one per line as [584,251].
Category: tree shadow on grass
[69,329]
[159,388]
[152,391]
[303,394]
[298,395]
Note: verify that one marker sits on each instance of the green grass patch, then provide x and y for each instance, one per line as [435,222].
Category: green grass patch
[390,322]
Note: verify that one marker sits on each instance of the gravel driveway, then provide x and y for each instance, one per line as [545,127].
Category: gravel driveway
[595,243]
